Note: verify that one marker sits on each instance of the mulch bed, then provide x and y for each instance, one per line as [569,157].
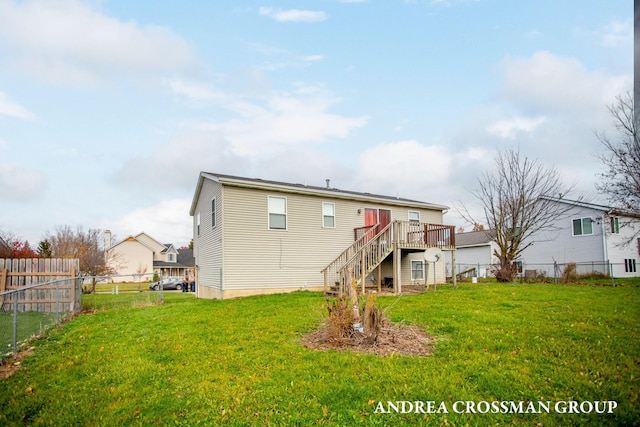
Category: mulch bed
[405,340]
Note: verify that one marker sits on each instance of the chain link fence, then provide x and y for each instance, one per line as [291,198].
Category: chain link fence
[110,292]
[549,272]
[31,310]
[36,295]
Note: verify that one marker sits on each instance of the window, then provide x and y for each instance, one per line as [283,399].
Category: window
[630,265]
[170,257]
[213,212]
[414,216]
[277,213]
[615,225]
[417,270]
[198,224]
[582,226]
[328,215]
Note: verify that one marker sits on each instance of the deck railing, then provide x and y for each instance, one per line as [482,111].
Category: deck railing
[372,247]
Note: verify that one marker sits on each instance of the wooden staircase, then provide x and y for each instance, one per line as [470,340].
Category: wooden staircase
[362,257]
[375,244]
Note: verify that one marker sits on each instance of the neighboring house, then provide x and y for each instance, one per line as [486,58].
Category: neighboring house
[596,238]
[474,253]
[143,256]
[253,236]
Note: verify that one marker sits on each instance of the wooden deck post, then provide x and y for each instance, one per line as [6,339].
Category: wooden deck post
[397,271]
[379,277]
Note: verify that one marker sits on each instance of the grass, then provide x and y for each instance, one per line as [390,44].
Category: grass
[239,362]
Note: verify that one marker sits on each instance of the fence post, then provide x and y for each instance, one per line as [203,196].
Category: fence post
[15,323]
[613,281]
[57,302]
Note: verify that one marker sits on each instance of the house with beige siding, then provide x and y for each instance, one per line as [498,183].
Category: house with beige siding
[141,256]
[253,236]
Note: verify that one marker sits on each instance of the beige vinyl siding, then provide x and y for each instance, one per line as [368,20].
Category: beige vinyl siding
[132,256]
[153,244]
[258,258]
[208,245]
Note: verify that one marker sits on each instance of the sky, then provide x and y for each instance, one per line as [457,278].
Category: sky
[110,109]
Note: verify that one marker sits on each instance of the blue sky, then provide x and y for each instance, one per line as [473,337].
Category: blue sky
[110,109]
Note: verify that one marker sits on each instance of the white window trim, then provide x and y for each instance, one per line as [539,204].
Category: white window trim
[616,220]
[214,211]
[415,212]
[415,270]
[286,214]
[198,224]
[332,216]
[582,233]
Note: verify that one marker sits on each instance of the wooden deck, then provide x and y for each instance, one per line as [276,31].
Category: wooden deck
[374,244]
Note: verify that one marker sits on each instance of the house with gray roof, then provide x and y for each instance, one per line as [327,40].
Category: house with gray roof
[254,236]
[597,238]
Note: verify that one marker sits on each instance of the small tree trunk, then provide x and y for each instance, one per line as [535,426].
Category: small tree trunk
[353,298]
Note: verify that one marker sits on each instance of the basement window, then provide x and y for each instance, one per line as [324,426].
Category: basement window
[417,270]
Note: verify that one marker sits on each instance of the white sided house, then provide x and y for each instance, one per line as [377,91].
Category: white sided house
[141,256]
[253,236]
[595,237]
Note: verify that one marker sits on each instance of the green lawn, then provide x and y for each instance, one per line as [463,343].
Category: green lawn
[239,362]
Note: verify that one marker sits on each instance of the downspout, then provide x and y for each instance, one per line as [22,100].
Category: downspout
[605,250]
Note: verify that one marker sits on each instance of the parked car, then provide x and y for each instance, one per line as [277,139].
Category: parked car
[169,283]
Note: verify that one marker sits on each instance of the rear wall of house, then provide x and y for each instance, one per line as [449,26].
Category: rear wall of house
[257,259]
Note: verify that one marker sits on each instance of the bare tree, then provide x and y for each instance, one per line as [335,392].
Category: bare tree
[86,246]
[519,200]
[621,156]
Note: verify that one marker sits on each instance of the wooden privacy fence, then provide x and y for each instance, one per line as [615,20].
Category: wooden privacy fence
[59,290]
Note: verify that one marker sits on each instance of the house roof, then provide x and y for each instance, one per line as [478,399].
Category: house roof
[326,191]
[606,209]
[474,238]
[185,257]
[169,264]
[130,239]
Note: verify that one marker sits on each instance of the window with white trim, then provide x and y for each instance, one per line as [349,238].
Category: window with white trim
[615,225]
[277,213]
[198,224]
[417,270]
[582,227]
[414,216]
[328,215]
[213,212]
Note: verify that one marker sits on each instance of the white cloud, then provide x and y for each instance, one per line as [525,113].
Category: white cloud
[285,120]
[546,83]
[68,41]
[174,166]
[509,128]
[196,91]
[167,221]
[20,184]
[12,109]
[617,33]
[293,15]
[405,168]
[313,58]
